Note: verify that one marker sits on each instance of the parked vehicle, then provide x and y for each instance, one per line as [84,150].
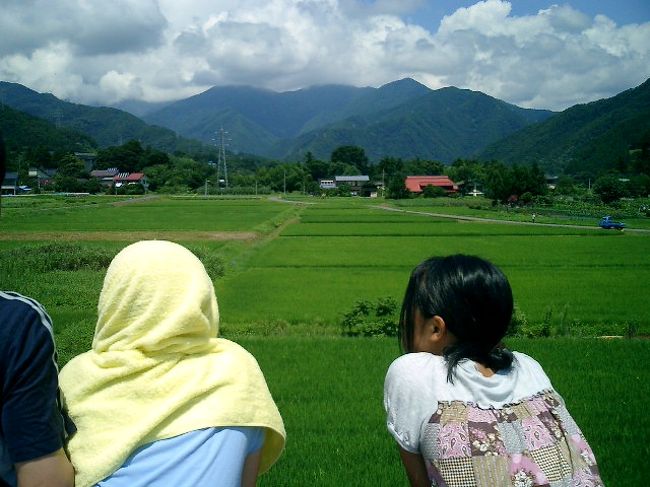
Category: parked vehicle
[607,223]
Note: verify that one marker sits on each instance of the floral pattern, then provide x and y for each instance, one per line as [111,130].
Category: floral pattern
[527,442]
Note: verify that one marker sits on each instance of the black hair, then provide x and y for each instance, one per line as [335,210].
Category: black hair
[474,299]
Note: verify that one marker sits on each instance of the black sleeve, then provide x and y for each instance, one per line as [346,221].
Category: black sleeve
[32,425]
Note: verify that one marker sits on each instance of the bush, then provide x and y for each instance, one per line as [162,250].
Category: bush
[367,318]
[431,191]
[213,263]
[56,257]
[518,322]
[73,257]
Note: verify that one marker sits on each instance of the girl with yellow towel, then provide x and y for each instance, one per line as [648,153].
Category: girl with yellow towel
[159,399]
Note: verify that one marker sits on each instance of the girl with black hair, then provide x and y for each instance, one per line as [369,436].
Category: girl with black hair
[464,410]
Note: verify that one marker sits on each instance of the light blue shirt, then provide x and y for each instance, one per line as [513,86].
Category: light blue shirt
[206,457]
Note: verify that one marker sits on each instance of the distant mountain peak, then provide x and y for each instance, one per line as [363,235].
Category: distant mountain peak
[405,83]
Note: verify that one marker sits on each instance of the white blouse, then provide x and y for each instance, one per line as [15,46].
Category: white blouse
[415,382]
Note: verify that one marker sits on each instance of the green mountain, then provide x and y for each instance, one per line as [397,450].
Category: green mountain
[20,130]
[403,118]
[588,137]
[261,117]
[108,126]
[443,125]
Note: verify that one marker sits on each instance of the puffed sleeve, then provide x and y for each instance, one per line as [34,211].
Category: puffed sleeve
[409,399]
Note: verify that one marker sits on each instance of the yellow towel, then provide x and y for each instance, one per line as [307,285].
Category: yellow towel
[156,368]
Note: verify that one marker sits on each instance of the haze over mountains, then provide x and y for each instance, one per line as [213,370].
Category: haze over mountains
[401,119]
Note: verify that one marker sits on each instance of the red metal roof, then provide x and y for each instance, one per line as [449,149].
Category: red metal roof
[415,184]
[134,177]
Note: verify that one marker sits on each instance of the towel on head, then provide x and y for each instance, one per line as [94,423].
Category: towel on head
[156,368]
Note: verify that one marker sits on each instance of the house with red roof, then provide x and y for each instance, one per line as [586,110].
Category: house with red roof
[129,178]
[416,184]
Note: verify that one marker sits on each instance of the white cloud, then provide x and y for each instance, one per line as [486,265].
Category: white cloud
[96,51]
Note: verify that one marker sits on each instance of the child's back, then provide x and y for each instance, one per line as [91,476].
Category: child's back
[508,429]
[465,411]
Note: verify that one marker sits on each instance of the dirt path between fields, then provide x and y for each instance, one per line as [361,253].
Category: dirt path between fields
[496,220]
[121,236]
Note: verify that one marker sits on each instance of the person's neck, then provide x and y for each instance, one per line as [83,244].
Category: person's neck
[485,371]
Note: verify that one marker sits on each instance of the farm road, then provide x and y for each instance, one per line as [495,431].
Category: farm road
[496,220]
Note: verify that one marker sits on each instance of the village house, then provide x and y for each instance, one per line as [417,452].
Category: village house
[416,184]
[327,184]
[105,176]
[125,178]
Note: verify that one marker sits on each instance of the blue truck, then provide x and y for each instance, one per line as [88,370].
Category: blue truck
[607,223]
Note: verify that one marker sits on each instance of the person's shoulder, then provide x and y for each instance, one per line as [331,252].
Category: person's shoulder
[526,362]
[417,366]
[531,368]
[21,314]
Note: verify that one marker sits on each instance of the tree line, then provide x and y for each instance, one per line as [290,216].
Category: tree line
[182,173]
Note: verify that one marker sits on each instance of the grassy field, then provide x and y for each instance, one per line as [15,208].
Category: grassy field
[286,286]
[482,208]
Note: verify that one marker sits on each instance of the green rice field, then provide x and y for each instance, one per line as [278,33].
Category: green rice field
[291,269]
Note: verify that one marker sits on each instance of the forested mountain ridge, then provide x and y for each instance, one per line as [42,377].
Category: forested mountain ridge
[442,124]
[586,137]
[107,126]
[400,119]
[22,130]
[403,118]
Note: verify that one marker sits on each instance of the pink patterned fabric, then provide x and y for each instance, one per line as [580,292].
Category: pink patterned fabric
[531,443]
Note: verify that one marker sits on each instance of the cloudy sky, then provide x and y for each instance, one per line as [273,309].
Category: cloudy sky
[532,53]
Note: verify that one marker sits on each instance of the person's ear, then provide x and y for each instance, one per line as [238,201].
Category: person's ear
[435,334]
[438,328]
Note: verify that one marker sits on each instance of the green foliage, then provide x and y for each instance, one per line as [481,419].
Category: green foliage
[106,126]
[33,138]
[591,137]
[352,155]
[367,318]
[52,257]
[396,189]
[431,191]
[212,260]
[609,189]
[502,182]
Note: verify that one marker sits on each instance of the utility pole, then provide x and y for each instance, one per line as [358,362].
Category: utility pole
[284,173]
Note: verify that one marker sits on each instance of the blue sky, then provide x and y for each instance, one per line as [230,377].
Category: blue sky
[530,53]
[622,12]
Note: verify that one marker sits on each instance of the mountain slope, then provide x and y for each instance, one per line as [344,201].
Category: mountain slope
[585,137]
[108,126]
[20,130]
[371,101]
[442,124]
[271,115]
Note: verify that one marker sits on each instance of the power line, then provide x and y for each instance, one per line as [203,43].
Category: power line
[221,141]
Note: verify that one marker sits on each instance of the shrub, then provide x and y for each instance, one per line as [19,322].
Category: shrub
[518,322]
[367,318]
[212,262]
[431,191]
[61,256]
[57,256]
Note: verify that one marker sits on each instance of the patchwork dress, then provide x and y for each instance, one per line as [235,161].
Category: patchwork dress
[510,429]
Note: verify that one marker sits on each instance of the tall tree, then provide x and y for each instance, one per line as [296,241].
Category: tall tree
[351,154]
